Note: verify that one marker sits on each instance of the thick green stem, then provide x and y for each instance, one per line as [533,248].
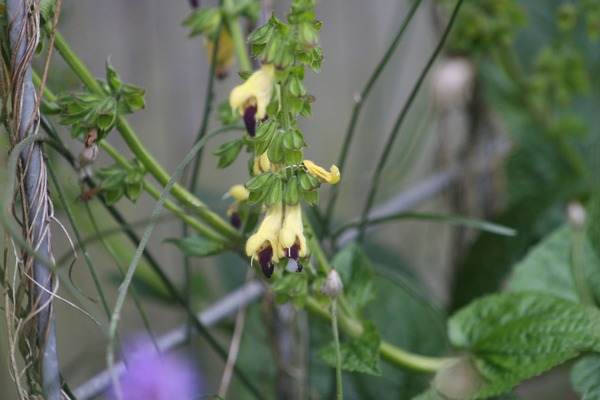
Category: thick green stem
[392,354]
[237,36]
[140,151]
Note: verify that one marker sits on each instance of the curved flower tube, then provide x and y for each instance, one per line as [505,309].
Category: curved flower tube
[332,177]
[291,237]
[253,96]
[239,193]
[264,244]
[261,164]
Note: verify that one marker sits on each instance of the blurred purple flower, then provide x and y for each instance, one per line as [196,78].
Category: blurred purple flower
[195,3]
[152,376]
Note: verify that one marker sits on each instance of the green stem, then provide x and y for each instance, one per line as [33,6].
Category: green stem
[338,355]
[170,205]
[398,124]
[237,37]
[140,151]
[582,285]
[392,354]
[358,106]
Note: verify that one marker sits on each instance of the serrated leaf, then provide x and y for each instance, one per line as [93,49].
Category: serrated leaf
[355,270]
[585,377]
[515,336]
[197,246]
[360,354]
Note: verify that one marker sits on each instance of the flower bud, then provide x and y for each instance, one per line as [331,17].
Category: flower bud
[333,286]
[453,83]
[576,215]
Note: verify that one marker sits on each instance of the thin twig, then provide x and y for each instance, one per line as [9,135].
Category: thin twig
[359,101]
[235,341]
[399,121]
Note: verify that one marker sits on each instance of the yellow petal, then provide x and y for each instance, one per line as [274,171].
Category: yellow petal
[332,177]
[239,192]
[261,164]
[256,91]
[267,234]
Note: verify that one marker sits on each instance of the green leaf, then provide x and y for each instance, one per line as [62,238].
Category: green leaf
[311,198]
[114,82]
[197,246]
[259,181]
[357,276]
[547,268]
[228,152]
[133,190]
[593,222]
[292,194]
[515,336]
[275,151]
[133,97]
[585,377]
[204,20]
[292,287]
[360,354]
[275,193]
[111,196]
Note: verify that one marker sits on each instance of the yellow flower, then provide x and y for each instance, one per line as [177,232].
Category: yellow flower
[239,193]
[332,177]
[261,164]
[253,96]
[291,237]
[225,53]
[264,244]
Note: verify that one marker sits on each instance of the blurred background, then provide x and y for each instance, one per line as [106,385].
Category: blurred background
[459,118]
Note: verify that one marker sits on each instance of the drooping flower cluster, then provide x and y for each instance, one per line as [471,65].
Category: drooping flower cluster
[281,235]
[280,177]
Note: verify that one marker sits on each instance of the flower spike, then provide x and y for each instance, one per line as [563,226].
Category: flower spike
[253,96]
